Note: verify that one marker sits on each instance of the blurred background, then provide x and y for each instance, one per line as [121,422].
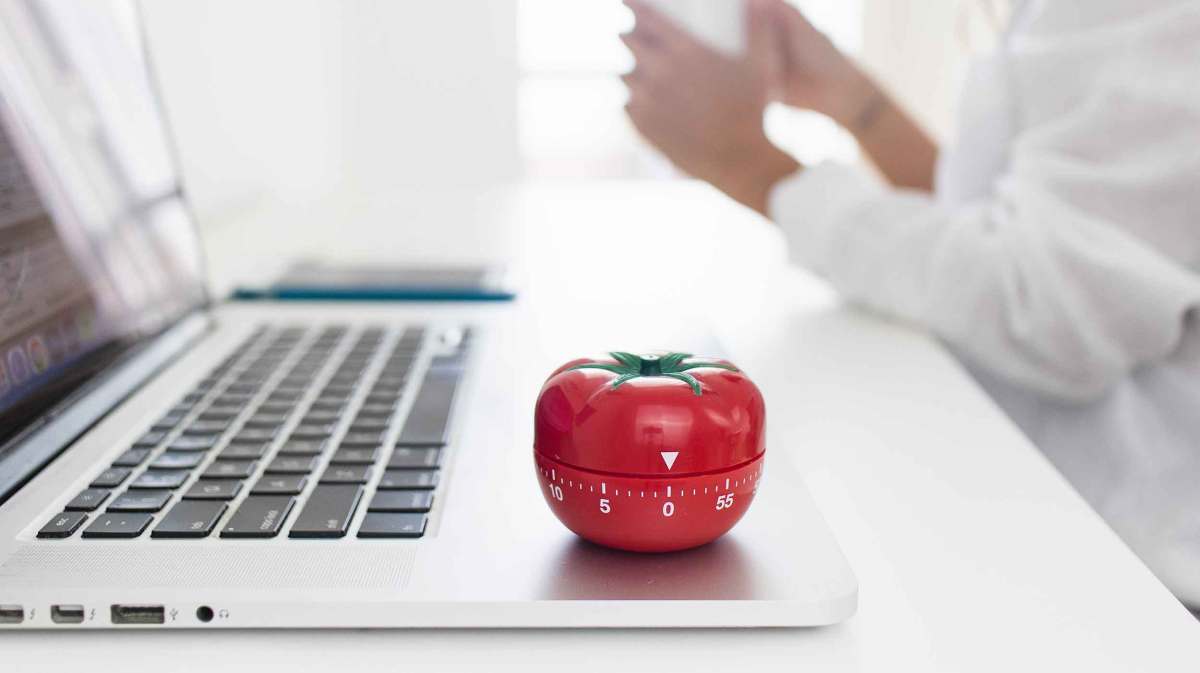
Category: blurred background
[294,101]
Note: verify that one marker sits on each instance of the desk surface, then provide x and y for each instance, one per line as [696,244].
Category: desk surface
[972,553]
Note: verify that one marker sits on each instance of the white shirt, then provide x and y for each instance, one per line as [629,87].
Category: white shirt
[1060,254]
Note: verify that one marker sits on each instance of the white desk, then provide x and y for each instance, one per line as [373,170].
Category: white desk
[971,552]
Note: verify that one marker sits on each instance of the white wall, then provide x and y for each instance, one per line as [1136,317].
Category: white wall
[429,92]
[292,100]
[252,89]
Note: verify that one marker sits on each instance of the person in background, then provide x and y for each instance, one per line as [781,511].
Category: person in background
[1054,245]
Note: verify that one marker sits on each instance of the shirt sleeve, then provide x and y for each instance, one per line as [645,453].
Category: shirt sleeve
[1027,283]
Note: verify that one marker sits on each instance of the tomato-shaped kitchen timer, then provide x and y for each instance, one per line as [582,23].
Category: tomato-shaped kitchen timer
[650,453]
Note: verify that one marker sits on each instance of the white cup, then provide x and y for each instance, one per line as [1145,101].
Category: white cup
[719,23]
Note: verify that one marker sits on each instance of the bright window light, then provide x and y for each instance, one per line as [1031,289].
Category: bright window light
[571,104]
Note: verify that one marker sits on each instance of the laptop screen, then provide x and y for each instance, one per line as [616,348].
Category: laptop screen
[97,250]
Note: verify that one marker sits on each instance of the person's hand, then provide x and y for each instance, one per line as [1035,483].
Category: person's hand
[704,109]
[811,72]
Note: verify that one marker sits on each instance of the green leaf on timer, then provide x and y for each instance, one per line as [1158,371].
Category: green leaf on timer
[671,365]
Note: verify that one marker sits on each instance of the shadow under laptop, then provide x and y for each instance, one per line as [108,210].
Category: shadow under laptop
[718,570]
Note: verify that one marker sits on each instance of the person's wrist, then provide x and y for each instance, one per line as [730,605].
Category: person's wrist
[750,179]
[853,98]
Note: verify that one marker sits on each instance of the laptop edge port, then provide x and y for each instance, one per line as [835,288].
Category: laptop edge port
[138,614]
[66,614]
[11,614]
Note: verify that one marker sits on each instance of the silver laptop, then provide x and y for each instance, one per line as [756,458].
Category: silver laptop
[166,461]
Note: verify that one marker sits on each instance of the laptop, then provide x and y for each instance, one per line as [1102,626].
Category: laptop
[170,461]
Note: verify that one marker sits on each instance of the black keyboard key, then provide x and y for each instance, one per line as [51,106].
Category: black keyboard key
[177,460]
[203,427]
[292,465]
[276,408]
[266,420]
[302,447]
[391,381]
[190,518]
[167,422]
[381,398]
[213,489]
[220,413]
[244,451]
[194,442]
[313,431]
[168,479]
[111,478]
[279,485]
[404,458]
[255,435]
[229,469]
[331,400]
[408,479]
[87,500]
[180,409]
[140,501]
[151,439]
[429,418]
[62,525]
[355,457]
[412,337]
[118,525]
[376,410]
[369,424]
[346,474]
[392,524]
[259,516]
[233,400]
[329,404]
[131,458]
[367,439]
[328,511]
[401,501]
[319,417]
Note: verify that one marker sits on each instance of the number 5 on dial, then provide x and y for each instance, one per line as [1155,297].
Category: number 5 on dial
[605,507]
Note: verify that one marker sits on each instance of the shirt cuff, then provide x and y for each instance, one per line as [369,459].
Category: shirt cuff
[810,206]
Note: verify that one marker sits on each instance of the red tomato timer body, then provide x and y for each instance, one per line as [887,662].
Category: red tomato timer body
[649,453]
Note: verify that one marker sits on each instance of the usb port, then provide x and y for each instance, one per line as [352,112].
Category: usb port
[11,614]
[137,614]
[66,614]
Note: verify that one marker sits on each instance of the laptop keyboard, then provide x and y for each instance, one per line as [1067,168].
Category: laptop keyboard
[289,435]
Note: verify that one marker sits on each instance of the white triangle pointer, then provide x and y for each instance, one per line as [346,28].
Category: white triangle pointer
[669,457]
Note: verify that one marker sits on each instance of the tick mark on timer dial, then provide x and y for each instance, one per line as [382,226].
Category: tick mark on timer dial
[618,503]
